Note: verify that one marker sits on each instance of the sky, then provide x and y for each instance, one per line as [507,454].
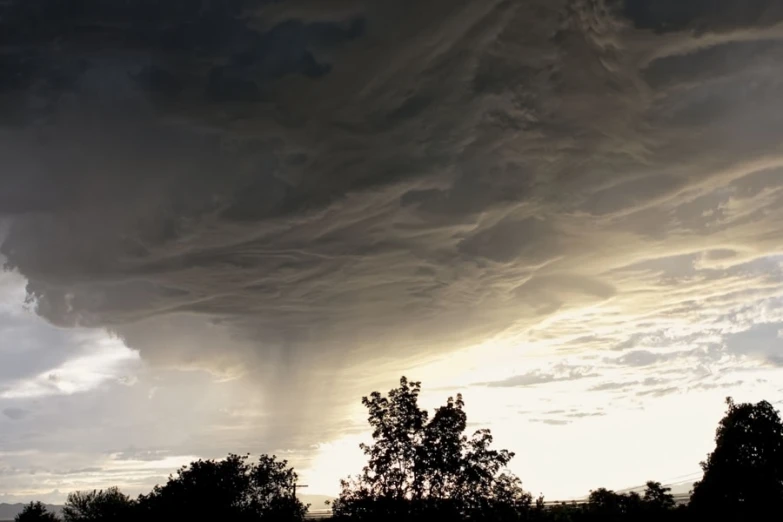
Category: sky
[223,222]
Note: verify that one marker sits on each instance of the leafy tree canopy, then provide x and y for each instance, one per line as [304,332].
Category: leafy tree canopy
[743,476]
[229,489]
[35,512]
[98,506]
[417,464]
[658,497]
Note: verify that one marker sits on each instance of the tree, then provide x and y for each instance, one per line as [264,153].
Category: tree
[417,465]
[272,490]
[743,476]
[606,505]
[228,489]
[36,512]
[98,506]
[658,497]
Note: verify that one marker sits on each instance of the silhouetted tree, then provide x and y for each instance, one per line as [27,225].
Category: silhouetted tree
[418,466]
[656,504]
[657,496]
[98,506]
[35,512]
[605,504]
[229,489]
[272,490]
[563,512]
[743,476]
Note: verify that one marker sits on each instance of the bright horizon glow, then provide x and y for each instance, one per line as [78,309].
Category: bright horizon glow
[562,459]
[617,450]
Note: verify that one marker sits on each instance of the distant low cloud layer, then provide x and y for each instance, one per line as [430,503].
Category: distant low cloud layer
[537,377]
[285,189]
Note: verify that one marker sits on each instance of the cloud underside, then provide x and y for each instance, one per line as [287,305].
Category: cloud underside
[538,377]
[315,188]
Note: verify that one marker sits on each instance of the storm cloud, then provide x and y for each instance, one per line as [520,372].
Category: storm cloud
[285,191]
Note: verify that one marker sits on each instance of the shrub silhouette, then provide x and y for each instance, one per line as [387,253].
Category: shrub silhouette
[98,506]
[228,489]
[35,512]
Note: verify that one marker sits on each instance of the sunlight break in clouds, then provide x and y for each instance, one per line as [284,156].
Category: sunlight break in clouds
[88,358]
[109,361]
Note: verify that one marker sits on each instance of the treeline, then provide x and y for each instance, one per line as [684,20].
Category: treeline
[232,489]
[422,468]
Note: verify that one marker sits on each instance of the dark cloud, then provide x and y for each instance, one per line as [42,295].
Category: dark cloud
[149,455]
[552,422]
[240,58]
[711,64]
[571,414]
[16,413]
[78,471]
[529,241]
[763,341]
[551,292]
[537,377]
[716,385]
[640,358]
[626,385]
[582,415]
[610,386]
[720,254]
[659,392]
[282,188]
[701,15]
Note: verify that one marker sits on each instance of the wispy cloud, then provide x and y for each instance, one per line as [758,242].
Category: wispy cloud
[552,422]
[538,377]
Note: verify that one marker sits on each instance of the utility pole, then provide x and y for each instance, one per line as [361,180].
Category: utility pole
[301,486]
